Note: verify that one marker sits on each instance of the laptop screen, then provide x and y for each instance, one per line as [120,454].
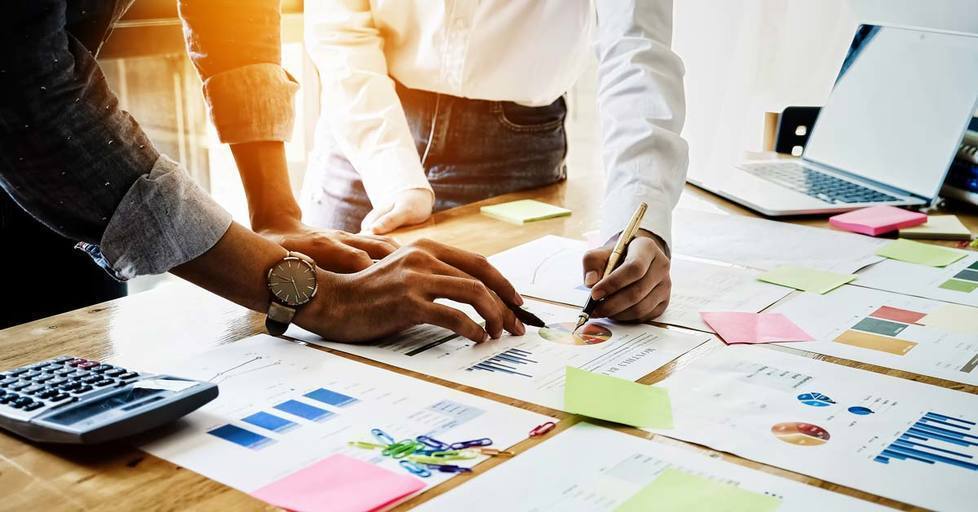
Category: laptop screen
[899,107]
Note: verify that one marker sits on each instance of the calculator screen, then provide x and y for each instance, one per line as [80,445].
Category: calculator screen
[108,403]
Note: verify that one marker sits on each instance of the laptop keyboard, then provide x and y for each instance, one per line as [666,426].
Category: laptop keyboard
[814,183]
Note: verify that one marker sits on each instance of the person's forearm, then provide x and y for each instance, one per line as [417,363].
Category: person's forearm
[265,175]
[235,267]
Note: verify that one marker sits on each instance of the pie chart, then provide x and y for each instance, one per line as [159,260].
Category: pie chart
[589,334]
[800,434]
[815,399]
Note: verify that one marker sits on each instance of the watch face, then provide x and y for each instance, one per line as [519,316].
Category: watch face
[292,281]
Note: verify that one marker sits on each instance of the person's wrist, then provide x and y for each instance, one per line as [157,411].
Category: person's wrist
[657,239]
[324,309]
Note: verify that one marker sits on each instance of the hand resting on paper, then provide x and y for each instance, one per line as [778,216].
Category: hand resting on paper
[400,290]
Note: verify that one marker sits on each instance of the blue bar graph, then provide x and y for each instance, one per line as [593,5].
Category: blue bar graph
[507,361]
[330,397]
[303,410]
[270,422]
[936,438]
[240,436]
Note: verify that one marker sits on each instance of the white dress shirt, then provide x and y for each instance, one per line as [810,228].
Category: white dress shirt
[526,51]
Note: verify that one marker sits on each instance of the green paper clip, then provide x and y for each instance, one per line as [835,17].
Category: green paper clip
[402,449]
[366,445]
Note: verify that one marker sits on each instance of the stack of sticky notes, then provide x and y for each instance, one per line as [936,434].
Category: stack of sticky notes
[877,220]
[938,227]
[523,211]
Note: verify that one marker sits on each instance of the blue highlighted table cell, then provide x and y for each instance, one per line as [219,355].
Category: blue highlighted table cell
[241,437]
[270,422]
[330,397]
[304,410]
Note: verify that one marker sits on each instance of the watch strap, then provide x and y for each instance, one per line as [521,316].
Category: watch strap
[278,319]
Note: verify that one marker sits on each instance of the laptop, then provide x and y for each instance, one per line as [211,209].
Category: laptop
[887,134]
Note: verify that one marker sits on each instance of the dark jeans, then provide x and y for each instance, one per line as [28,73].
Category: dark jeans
[479,149]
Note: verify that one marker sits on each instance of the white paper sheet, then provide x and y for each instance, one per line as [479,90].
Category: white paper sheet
[924,281]
[529,367]
[886,329]
[896,438]
[258,374]
[588,468]
[764,244]
[550,268]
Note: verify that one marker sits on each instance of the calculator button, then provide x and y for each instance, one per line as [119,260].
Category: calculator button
[47,393]
[91,379]
[5,383]
[63,359]
[59,397]
[79,373]
[17,371]
[102,367]
[64,371]
[19,385]
[9,397]
[76,361]
[33,406]
[57,382]
[114,372]
[82,389]
[20,402]
[33,389]
[44,377]
[88,365]
[129,375]
[30,375]
[104,382]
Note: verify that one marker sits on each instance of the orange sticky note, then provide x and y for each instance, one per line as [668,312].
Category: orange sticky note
[339,483]
[877,220]
[751,328]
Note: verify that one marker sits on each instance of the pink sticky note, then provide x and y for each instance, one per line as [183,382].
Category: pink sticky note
[338,484]
[752,328]
[877,220]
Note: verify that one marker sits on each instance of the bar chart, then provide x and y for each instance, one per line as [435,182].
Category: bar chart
[508,361]
[936,439]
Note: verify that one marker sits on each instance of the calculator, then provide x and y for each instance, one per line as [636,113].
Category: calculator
[76,400]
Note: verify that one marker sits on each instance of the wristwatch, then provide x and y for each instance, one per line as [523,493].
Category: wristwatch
[292,282]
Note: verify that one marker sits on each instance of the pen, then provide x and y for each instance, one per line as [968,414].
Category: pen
[626,237]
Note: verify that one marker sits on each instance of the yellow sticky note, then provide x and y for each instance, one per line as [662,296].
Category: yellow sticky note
[923,254]
[523,211]
[939,227]
[806,279]
[618,400]
[678,491]
[953,318]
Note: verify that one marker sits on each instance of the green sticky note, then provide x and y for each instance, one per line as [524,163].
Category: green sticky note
[678,491]
[523,211]
[806,279]
[922,254]
[957,285]
[618,400]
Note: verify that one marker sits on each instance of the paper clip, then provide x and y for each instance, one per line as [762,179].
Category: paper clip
[381,436]
[401,449]
[540,430]
[494,452]
[449,468]
[485,441]
[415,469]
[366,445]
[455,454]
[432,442]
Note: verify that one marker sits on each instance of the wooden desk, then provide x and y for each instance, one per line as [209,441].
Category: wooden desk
[179,320]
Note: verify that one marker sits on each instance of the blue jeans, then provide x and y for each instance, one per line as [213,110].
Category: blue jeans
[479,149]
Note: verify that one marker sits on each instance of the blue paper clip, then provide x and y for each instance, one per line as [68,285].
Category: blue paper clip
[415,469]
[432,442]
[485,441]
[449,468]
[381,436]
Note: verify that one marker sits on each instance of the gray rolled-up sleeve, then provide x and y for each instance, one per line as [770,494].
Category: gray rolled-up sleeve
[164,220]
